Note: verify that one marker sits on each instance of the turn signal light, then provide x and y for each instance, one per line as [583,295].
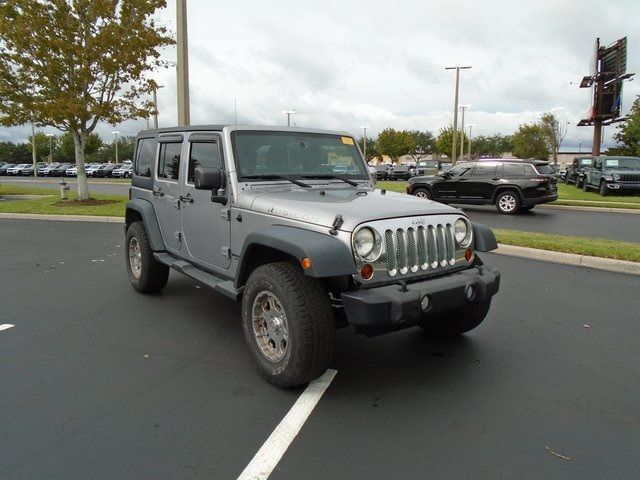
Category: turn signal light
[366,271]
[468,254]
[306,263]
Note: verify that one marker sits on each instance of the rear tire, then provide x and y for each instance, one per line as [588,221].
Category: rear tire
[288,323]
[457,322]
[147,275]
[423,193]
[508,202]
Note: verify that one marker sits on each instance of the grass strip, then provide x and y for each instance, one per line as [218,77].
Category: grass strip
[595,247]
[50,203]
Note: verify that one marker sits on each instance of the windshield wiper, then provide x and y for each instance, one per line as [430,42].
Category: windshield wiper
[329,177]
[278,177]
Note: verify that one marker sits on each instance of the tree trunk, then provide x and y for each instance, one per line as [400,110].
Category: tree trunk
[79,142]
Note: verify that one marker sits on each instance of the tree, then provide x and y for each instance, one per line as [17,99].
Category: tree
[554,132]
[424,144]
[628,132]
[371,148]
[70,64]
[67,145]
[531,141]
[107,151]
[42,145]
[394,143]
[494,146]
[444,142]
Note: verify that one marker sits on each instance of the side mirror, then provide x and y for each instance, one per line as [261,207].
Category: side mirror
[207,178]
[445,175]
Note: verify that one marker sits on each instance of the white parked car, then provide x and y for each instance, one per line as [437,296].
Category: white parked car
[17,170]
[46,170]
[91,169]
[122,172]
[71,172]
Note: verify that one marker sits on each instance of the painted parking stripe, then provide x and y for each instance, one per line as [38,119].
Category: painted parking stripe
[4,326]
[276,445]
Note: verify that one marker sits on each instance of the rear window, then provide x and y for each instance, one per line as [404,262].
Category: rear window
[512,170]
[169,162]
[545,169]
[144,159]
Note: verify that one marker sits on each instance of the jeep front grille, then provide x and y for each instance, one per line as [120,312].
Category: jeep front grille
[419,248]
[630,177]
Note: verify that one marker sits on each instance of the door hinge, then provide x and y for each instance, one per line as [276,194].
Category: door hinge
[226,252]
[225,214]
[178,236]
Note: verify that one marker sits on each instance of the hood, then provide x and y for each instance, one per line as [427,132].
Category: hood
[355,206]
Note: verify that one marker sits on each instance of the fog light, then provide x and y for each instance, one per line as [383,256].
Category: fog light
[366,271]
[470,292]
[425,303]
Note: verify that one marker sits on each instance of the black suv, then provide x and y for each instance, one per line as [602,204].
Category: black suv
[512,185]
[400,172]
[575,171]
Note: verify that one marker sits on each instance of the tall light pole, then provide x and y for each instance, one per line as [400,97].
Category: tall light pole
[364,143]
[579,147]
[155,104]
[471,125]
[454,144]
[289,114]
[34,155]
[463,108]
[183,64]
[116,132]
[50,135]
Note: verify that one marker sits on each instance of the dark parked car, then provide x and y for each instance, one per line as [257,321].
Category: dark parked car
[575,171]
[510,185]
[3,168]
[613,174]
[105,170]
[59,170]
[400,172]
[382,171]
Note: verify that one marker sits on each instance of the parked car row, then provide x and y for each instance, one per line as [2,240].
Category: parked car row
[387,171]
[606,174]
[95,170]
[511,185]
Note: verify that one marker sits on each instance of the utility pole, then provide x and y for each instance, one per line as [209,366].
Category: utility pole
[116,134]
[471,125]
[454,144]
[50,135]
[364,143]
[155,103]
[289,114]
[463,108]
[183,64]
[34,156]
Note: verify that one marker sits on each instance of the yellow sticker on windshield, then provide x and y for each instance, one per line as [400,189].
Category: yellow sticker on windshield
[347,140]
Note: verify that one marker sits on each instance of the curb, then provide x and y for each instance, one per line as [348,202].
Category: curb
[586,261]
[62,218]
[593,209]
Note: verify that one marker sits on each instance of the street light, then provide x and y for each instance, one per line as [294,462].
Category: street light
[182,70]
[364,136]
[116,132]
[50,135]
[155,88]
[579,147]
[289,113]
[471,125]
[457,68]
[463,108]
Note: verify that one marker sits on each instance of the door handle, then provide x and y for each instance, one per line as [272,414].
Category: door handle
[187,198]
[158,192]
[495,179]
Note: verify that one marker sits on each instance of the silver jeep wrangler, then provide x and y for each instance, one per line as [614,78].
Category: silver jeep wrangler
[287,221]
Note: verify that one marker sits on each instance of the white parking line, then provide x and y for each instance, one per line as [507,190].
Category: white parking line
[4,326]
[273,449]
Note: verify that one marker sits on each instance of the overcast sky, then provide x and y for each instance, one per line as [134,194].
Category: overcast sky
[342,64]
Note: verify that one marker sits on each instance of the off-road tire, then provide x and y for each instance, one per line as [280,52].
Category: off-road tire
[457,322]
[585,185]
[309,319]
[153,275]
[578,183]
[508,194]
[423,193]
[603,189]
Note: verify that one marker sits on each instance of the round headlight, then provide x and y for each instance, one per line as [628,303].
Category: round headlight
[364,241]
[461,231]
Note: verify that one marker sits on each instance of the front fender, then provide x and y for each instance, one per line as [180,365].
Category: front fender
[329,256]
[483,238]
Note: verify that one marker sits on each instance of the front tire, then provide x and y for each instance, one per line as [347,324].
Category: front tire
[508,202]
[423,193]
[603,189]
[585,185]
[288,323]
[146,274]
[457,322]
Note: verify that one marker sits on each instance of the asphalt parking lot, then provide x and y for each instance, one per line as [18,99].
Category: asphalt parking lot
[98,381]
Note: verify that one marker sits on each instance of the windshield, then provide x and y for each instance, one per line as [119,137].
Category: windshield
[428,164]
[296,155]
[585,161]
[631,163]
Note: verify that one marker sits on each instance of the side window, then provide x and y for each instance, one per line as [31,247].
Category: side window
[512,170]
[169,161]
[144,156]
[484,170]
[203,154]
[529,170]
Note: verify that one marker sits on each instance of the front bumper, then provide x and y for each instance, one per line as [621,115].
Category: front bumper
[393,307]
[623,187]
